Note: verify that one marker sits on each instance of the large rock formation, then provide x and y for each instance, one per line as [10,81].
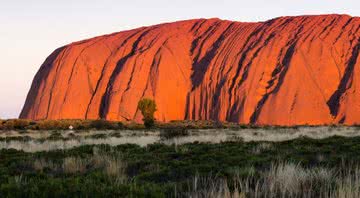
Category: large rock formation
[285,71]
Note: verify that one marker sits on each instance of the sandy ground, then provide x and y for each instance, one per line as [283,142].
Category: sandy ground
[41,140]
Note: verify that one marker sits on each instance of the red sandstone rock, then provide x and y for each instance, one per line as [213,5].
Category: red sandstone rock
[286,71]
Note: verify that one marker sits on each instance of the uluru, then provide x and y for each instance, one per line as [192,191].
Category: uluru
[285,71]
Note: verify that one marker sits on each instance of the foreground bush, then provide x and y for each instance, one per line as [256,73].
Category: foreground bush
[303,167]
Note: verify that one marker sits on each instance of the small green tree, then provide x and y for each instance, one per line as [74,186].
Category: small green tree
[147,108]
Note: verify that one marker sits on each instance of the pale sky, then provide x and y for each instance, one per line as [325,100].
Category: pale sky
[31,29]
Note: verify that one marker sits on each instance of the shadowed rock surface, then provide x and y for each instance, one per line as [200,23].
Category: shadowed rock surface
[285,71]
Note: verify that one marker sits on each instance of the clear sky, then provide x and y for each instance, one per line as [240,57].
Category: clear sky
[31,29]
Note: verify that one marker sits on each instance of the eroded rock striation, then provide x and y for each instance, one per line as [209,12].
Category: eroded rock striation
[285,71]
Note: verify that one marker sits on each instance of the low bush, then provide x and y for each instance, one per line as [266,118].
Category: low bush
[15,124]
[103,124]
[22,124]
[168,133]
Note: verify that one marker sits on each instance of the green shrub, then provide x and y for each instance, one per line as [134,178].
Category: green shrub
[51,124]
[173,132]
[134,125]
[103,124]
[147,108]
[15,124]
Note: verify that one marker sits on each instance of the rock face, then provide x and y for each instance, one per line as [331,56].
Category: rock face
[285,71]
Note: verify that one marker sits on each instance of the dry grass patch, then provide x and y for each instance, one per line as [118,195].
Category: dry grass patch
[73,165]
[109,163]
[282,180]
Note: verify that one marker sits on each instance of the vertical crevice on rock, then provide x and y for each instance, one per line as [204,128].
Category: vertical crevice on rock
[104,67]
[345,83]
[60,61]
[284,68]
[200,67]
[105,98]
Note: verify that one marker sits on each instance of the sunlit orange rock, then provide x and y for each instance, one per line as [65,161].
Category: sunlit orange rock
[285,71]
